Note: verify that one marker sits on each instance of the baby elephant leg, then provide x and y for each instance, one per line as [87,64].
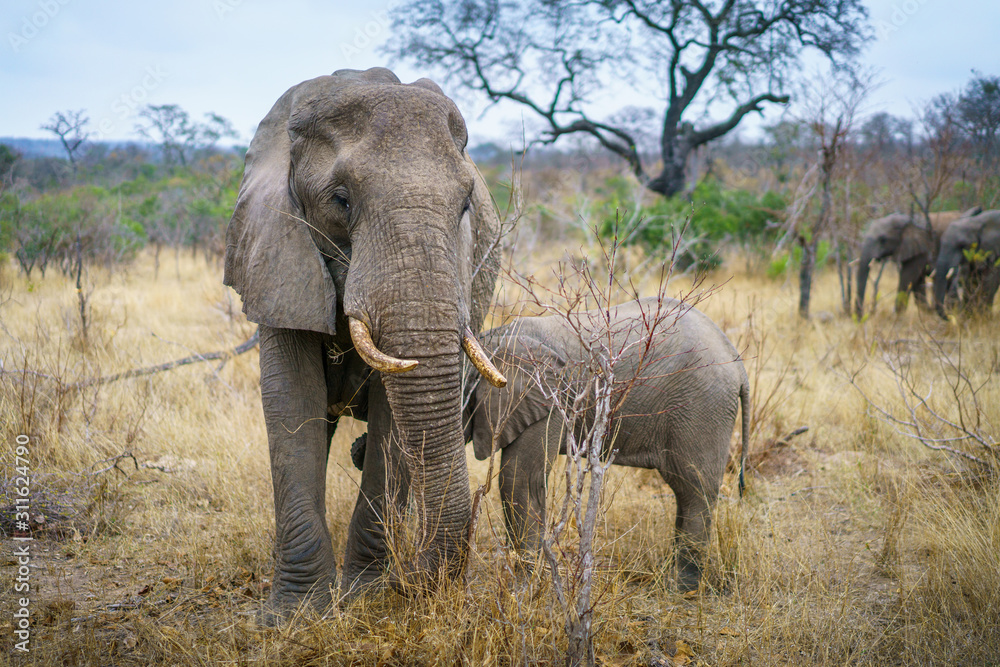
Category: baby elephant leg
[524,464]
[695,499]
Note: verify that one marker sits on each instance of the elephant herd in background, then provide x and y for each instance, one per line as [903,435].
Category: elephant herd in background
[960,249]
[365,244]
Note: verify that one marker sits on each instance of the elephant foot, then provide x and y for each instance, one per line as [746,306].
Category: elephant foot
[688,572]
[688,579]
[283,605]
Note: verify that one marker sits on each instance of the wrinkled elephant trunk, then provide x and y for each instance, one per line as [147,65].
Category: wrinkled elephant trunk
[414,307]
[426,404]
[864,265]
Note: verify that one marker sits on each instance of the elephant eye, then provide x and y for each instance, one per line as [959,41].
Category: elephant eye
[339,198]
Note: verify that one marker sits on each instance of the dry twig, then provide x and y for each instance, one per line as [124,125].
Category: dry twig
[225,355]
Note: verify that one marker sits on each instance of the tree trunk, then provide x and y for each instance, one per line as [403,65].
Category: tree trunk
[675,148]
[806,273]
[844,276]
[809,247]
[671,179]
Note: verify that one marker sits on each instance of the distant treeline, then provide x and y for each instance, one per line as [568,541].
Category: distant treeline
[119,200]
[101,202]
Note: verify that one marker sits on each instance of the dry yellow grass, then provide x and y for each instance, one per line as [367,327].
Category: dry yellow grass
[854,544]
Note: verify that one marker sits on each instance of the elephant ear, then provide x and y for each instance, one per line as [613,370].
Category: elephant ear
[485,259]
[521,403]
[915,240]
[271,259]
[989,235]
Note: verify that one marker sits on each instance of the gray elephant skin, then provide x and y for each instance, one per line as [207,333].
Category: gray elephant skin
[976,237]
[912,245]
[363,236]
[678,417]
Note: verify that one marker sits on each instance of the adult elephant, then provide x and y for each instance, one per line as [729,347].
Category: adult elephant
[364,244]
[969,258]
[911,244]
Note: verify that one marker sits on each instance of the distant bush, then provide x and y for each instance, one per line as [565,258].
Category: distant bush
[718,215]
[789,261]
[49,228]
[181,208]
[10,207]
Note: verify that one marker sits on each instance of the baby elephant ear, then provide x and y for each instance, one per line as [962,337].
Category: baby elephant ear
[271,259]
[512,409]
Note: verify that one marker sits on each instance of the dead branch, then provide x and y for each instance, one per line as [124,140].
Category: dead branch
[787,439]
[243,347]
[928,424]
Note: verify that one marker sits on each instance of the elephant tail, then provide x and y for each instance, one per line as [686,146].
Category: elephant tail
[745,429]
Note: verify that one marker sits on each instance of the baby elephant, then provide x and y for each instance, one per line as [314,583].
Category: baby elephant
[677,416]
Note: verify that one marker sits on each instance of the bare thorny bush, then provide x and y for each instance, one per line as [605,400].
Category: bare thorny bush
[586,396]
[945,402]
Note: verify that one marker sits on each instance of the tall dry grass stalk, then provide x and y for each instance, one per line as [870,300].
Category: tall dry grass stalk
[854,545]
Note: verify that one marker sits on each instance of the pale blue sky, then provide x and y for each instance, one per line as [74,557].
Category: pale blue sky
[235,57]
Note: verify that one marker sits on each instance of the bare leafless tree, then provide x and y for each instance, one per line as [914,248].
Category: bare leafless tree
[830,106]
[171,127]
[943,405]
[557,58]
[930,168]
[586,396]
[69,127]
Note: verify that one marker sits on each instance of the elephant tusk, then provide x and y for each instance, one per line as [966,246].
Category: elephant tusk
[951,272]
[372,355]
[481,361]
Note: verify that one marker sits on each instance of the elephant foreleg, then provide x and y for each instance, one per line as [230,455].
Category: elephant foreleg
[912,273]
[293,392]
[524,466]
[384,476]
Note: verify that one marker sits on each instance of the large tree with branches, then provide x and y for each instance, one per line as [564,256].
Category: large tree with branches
[564,59]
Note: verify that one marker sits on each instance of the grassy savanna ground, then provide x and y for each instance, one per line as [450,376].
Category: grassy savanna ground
[853,545]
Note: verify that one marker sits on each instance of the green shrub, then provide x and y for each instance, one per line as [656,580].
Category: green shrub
[778,267]
[791,260]
[10,211]
[717,215]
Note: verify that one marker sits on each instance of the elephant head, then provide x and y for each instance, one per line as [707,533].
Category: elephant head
[361,217]
[496,417]
[970,250]
[894,236]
